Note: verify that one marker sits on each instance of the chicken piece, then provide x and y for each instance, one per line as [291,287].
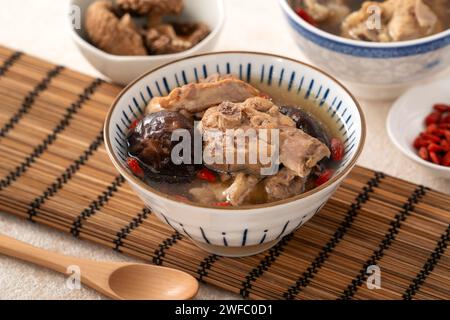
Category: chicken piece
[300,152]
[400,20]
[327,10]
[197,97]
[297,150]
[241,187]
[111,34]
[209,193]
[151,7]
[173,38]
[283,185]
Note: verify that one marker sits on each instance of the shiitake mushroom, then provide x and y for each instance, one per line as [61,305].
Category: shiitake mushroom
[150,143]
[307,123]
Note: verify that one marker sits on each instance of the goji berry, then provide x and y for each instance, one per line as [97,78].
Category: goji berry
[445,145]
[302,13]
[446,119]
[134,166]
[337,149]
[433,117]
[435,148]
[440,107]
[207,175]
[133,124]
[324,177]
[222,204]
[435,158]
[419,142]
[446,159]
[423,153]
[432,128]
[430,137]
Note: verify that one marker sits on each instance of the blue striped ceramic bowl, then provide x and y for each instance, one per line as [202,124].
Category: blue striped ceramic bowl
[248,229]
[374,70]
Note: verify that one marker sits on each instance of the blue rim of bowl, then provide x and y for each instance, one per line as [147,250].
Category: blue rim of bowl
[361,48]
[125,172]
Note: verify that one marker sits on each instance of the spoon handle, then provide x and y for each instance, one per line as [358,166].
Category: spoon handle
[21,250]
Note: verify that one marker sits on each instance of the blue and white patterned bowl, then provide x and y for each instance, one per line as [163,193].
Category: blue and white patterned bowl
[375,70]
[249,229]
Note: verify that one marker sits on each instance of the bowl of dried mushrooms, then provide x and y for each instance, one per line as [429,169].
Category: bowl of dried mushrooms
[123,38]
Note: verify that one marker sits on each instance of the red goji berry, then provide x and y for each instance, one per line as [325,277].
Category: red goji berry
[446,159]
[222,204]
[446,119]
[434,148]
[134,166]
[441,107]
[447,135]
[324,177]
[302,13]
[445,145]
[432,128]
[207,175]
[419,142]
[433,117]
[435,158]
[430,137]
[337,149]
[423,153]
[133,124]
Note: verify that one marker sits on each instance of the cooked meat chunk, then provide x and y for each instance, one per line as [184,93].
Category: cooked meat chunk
[151,7]
[306,122]
[209,193]
[283,185]
[298,150]
[241,187]
[111,34]
[150,142]
[173,38]
[400,20]
[197,97]
[327,10]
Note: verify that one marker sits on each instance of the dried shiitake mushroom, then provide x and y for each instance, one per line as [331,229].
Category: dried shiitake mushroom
[111,34]
[175,37]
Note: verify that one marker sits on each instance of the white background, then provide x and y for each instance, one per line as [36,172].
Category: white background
[37,27]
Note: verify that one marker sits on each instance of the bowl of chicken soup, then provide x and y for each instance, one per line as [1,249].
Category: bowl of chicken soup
[235,150]
[377,48]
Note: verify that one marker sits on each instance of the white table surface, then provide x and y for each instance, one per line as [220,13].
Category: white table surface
[37,27]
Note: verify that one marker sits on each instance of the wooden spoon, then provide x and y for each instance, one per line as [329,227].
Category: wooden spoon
[117,280]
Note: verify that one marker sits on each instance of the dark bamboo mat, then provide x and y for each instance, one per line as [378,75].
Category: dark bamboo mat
[54,170]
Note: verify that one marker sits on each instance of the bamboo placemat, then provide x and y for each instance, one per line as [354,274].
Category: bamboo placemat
[54,170]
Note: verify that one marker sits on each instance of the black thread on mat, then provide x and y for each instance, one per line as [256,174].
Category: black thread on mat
[306,276]
[38,150]
[64,177]
[29,99]
[125,231]
[96,205]
[205,265]
[166,244]
[9,62]
[389,237]
[428,266]
[264,265]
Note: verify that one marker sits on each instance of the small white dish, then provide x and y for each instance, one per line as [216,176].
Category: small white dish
[123,69]
[406,120]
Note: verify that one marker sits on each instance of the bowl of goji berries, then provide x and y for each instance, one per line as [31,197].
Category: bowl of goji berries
[419,125]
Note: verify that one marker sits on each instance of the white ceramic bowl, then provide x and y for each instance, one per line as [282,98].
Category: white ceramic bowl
[249,229]
[123,69]
[373,70]
[406,120]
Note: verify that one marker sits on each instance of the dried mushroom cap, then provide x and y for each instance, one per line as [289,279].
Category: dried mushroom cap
[111,34]
[167,38]
[151,7]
